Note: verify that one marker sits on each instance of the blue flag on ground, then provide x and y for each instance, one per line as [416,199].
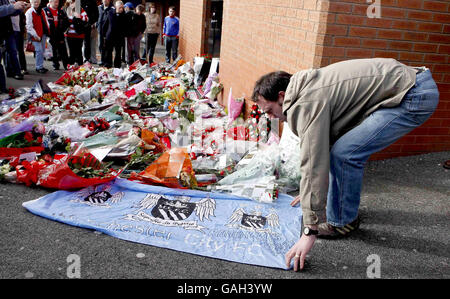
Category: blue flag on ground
[215,225]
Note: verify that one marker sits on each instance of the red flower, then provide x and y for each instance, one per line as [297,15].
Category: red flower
[29,136]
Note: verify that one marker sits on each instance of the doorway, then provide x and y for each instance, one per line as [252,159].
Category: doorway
[213,27]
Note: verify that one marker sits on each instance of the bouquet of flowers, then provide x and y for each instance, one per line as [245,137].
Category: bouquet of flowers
[258,125]
[172,169]
[78,170]
[234,106]
[83,76]
[143,100]
[87,166]
[140,159]
[23,142]
[54,143]
[4,169]
[95,125]
[54,102]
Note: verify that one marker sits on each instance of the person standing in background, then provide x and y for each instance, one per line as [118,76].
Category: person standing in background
[140,24]
[103,10]
[21,44]
[58,24]
[129,13]
[38,28]
[115,35]
[152,32]
[75,34]
[6,10]
[170,32]
[91,35]
[11,58]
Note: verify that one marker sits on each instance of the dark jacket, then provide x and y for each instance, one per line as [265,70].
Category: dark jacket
[129,16]
[139,24]
[22,22]
[91,8]
[5,22]
[116,29]
[103,19]
[57,33]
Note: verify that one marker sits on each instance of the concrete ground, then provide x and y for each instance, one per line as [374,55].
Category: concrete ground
[405,207]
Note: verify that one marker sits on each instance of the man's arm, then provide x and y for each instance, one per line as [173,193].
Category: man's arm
[312,121]
[13,9]
[313,125]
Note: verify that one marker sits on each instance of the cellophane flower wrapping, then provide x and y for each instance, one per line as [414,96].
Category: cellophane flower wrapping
[173,169]
[74,171]
[234,106]
[289,168]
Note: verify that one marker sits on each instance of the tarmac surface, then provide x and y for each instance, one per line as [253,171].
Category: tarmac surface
[405,210]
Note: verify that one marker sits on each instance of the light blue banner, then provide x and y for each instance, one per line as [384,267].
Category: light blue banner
[215,225]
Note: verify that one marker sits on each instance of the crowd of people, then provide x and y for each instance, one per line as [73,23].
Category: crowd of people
[74,34]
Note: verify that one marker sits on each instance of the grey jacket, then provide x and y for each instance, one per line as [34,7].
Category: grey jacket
[323,104]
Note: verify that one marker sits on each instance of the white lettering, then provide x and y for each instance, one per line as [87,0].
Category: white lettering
[188,289]
[74,269]
[374,9]
[374,269]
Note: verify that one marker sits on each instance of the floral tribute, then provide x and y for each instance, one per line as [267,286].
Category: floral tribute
[157,124]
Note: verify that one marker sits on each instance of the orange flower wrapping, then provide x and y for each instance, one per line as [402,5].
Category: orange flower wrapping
[173,169]
[180,63]
[152,139]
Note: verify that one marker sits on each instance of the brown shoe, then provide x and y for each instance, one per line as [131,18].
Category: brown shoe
[446,164]
[328,231]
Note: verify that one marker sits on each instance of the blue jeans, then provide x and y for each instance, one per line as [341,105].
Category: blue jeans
[39,48]
[171,44]
[12,58]
[380,129]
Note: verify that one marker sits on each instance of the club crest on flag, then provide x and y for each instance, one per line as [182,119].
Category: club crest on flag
[99,196]
[161,210]
[254,221]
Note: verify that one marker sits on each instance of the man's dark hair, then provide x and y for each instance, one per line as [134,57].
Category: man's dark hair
[173,8]
[269,85]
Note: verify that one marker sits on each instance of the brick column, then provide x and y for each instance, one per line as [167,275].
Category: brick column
[192,16]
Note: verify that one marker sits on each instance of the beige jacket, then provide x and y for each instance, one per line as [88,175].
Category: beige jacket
[153,23]
[323,104]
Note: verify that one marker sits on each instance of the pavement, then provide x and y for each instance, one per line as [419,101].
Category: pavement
[405,209]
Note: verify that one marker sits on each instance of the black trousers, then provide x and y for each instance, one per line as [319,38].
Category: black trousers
[87,44]
[21,50]
[75,50]
[118,47]
[115,46]
[59,53]
[101,48]
[152,39]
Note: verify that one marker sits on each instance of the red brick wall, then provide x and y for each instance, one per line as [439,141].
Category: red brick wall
[414,32]
[191,28]
[260,36]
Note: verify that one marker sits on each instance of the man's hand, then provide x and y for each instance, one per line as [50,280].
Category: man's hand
[20,5]
[295,201]
[299,251]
